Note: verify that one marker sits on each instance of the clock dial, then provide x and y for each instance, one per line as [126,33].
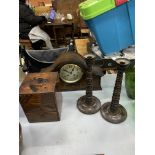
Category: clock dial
[71,73]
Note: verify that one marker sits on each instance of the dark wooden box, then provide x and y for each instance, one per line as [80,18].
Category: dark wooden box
[38,98]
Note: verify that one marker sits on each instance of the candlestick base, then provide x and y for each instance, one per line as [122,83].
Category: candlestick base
[118,116]
[88,109]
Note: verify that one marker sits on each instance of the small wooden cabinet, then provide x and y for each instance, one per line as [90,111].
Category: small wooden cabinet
[38,98]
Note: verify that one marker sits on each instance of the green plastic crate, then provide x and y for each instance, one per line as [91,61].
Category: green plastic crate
[92,8]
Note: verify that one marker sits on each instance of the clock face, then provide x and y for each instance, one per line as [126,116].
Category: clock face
[71,73]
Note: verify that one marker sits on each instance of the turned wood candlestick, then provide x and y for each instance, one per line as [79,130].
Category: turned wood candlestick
[89,104]
[112,111]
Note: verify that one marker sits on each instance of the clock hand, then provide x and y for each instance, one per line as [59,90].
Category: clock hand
[66,71]
[72,69]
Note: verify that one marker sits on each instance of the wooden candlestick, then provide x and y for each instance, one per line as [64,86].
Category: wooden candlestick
[89,104]
[112,111]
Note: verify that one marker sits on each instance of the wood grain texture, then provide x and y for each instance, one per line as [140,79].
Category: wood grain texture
[38,98]
[81,46]
[35,83]
[81,85]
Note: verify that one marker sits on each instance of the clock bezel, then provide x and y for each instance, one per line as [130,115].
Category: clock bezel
[73,81]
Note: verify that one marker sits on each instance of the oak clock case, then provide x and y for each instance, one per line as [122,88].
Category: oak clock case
[72,67]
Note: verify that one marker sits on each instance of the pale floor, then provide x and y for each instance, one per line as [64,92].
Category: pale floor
[79,134]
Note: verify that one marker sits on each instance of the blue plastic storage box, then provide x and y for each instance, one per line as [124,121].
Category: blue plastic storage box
[131,9]
[114,29]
